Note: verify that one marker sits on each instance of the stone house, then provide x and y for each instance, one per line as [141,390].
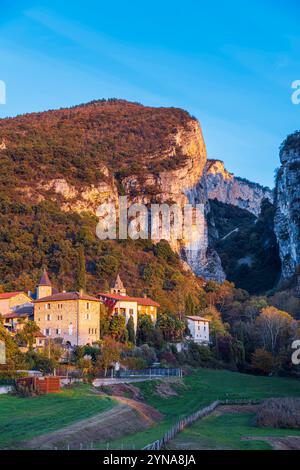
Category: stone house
[199,329]
[119,303]
[72,316]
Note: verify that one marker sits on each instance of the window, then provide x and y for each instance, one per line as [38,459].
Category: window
[48,317]
[88,316]
[95,331]
[88,305]
[48,306]
[131,311]
[58,331]
[47,332]
[89,331]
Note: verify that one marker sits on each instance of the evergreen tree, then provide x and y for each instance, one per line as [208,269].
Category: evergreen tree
[81,270]
[130,329]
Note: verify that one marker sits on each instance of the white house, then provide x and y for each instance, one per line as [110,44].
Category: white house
[199,329]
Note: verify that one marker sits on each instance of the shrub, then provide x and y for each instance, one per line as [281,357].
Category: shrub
[279,413]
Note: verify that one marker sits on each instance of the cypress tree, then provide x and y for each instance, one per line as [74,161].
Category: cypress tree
[130,329]
[81,269]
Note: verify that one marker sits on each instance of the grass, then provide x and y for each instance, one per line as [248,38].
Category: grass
[23,418]
[200,389]
[224,431]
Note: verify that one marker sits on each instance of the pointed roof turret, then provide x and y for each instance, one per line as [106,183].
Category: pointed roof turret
[118,287]
[118,283]
[45,281]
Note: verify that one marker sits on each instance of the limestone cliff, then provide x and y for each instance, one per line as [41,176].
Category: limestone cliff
[287,201]
[227,188]
[92,153]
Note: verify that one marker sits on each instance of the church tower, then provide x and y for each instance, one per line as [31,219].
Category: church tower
[118,287]
[44,288]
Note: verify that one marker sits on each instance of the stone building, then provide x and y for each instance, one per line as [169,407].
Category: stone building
[72,316]
[119,303]
[199,329]
[10,300]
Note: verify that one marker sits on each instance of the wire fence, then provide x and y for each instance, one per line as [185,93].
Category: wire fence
[152,372]
[183,423]
[167,437]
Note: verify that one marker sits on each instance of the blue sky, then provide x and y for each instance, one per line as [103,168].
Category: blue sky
[229,63]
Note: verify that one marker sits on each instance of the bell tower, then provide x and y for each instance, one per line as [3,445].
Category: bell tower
[44,288]
[118,287]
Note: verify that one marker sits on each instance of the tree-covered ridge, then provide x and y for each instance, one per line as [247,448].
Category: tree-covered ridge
[75,143]
[32,236]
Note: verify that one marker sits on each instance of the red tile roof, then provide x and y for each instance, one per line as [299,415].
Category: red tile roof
[15,315]
[66,296]
[9,295]
[146,301]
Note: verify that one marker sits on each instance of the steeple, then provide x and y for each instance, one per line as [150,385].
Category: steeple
[118,287]
[44,287]
[45,281]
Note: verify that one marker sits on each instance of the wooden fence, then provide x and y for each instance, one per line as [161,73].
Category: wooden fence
[183,423]
[43,385]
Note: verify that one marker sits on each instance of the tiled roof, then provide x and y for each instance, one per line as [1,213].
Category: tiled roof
[146,301]
[197,318]
[15,315]
[9,295]
[45,281]
[66,296]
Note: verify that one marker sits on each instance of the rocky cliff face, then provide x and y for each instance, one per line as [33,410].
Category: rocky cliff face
[227,188]
[287,201]
[90,154]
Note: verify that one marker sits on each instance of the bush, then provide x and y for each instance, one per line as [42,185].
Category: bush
[279,413]
[262,361]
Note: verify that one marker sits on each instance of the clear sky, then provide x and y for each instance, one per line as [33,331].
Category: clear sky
[229,63]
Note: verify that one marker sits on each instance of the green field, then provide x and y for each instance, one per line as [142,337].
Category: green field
[225,431]
[200,389]
[23,418]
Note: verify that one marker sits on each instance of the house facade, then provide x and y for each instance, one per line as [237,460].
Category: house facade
[119,303]
[11,300]
[199,329]
[72,316]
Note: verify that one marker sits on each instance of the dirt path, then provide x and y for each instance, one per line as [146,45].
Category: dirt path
[128,417]
[278,443]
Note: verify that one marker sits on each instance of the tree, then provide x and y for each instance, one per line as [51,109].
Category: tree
[26,336]
[131,330]
[189,306]
[262,361]
[104,321]
[145,330]
[171,326]
[275,328]
[117,328]
[81,269]
[110,353]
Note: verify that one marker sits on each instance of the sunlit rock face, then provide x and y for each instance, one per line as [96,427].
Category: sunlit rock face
[92,153]
[227,188]
[287,201]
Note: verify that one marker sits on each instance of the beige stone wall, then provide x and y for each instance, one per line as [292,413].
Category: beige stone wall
[70,320]
[127,308]
[43,291]
[89,321]
[147,310]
